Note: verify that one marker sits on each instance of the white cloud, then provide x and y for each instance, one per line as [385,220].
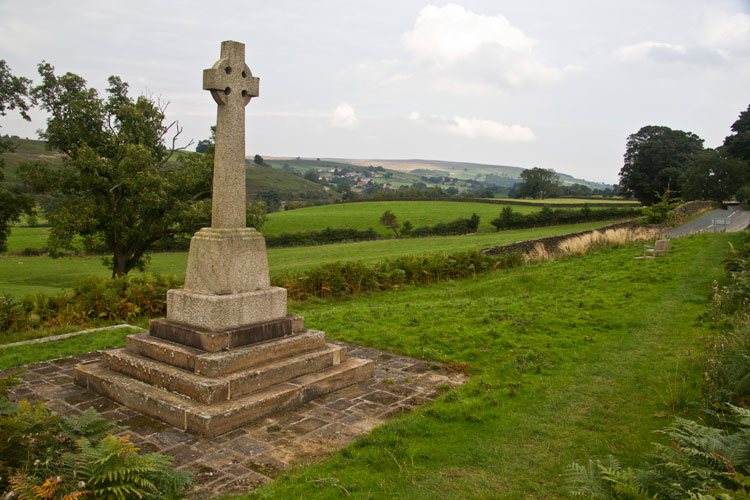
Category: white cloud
[729,33]
[344,116]
[661,52]
[719,38]
[476,128]
[644,50]
[445,34]
[476,50]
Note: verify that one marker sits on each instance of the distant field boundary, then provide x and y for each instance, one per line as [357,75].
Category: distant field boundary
[594,204]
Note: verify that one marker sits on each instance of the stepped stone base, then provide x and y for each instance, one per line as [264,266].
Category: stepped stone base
[171,375]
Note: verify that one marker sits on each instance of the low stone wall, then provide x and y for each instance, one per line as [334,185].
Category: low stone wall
[550,242]
[690,208]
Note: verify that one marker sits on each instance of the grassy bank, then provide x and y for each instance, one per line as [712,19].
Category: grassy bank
[21,276]
[571,359]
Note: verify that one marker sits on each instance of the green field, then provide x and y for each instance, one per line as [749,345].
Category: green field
[21,276]
[355,215]
[364,215]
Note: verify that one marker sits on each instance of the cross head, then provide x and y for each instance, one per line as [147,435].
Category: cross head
[230,80]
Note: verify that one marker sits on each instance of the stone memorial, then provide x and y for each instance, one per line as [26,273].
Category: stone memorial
[227,353]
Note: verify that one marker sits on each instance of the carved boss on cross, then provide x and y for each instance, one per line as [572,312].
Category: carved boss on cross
[230,79]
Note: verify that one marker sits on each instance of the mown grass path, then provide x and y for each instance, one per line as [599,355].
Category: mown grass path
[572,359]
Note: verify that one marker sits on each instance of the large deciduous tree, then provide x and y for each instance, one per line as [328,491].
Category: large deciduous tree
[123,193]
[654,160]
[711,175]
[738,144]
[14,95]
[538,183]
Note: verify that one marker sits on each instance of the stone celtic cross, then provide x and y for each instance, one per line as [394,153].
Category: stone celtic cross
[232,86]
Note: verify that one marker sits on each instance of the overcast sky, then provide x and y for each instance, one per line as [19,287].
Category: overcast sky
[526,83]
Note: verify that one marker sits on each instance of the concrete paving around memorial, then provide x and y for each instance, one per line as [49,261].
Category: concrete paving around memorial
[246,458]
[738,220]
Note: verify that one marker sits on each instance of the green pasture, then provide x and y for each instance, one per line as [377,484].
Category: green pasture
[570,360]
[21,276]
[363,215]
[23,237]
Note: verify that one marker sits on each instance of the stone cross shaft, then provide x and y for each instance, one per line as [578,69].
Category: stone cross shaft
[232,86]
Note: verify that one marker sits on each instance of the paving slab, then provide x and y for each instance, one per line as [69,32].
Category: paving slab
[248,457]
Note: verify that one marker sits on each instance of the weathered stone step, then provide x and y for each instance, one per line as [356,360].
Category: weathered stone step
[222,363]
[209,390]
[213,420]
[223,340]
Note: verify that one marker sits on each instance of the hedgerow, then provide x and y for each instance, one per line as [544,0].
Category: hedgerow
[508,219]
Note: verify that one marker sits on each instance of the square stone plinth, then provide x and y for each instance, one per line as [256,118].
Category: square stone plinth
[227,261]
[222,312]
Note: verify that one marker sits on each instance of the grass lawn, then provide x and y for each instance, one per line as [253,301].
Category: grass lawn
[33,353]
[574,359]
[21,276]
[570,360]
[364,215]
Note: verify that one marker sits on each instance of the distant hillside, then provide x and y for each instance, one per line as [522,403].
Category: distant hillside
[259,179]
[500,174]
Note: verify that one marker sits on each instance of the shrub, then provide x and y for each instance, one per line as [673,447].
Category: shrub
[46,455]
[454,227]
[117,299]
[336,279]
[328,235]
[703,462]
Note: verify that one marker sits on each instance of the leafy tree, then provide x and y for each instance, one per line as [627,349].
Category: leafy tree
[14,95]
[538,183]
[311,175]
[474,223]
[202,146]
[406,228]
[661,210]
[271,199]
[123,194]
[256,215]
[654,159]
[711,175]
[738,145]
[388,219]
[258,160]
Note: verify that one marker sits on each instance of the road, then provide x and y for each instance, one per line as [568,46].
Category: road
[738,220]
